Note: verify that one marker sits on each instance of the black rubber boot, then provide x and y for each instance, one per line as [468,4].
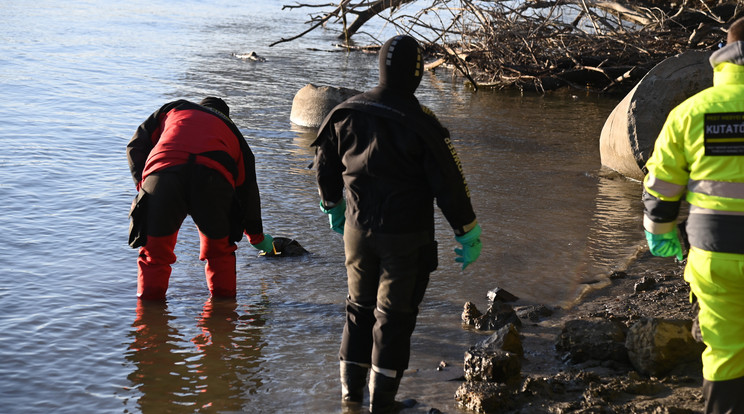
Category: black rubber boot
[724,397]
[382,390]
[353,381]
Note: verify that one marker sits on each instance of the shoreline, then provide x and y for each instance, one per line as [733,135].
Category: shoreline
[608,386]
[551,383]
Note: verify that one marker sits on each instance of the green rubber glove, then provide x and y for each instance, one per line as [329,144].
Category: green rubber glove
[336,215]
[265,245]
[471,246]
[664,245]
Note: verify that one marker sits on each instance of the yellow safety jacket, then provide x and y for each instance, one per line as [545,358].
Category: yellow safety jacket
[699,154]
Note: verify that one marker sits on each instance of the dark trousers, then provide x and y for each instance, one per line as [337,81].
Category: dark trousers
[174,193]
[387,278]
[724,397]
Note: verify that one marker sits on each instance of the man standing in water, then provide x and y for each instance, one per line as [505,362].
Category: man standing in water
[700,155]
[393,158]
[189,158]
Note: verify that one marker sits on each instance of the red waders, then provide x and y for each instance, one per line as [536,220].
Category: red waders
[203,193]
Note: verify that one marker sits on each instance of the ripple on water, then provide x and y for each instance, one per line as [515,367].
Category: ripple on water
[79,77]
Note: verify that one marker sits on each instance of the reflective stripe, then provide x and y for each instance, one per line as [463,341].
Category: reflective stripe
[700,210]
[657,228]
[717,188]
[385,371]
[664,188]
[466,228]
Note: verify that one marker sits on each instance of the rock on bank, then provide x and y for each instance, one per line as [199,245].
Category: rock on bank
[566,370]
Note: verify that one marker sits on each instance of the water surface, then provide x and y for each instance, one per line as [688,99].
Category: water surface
[79,76]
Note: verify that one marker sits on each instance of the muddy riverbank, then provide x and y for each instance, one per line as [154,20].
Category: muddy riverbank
[609,387]
[551,383]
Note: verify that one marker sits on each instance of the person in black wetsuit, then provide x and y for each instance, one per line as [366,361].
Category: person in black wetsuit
[393,158]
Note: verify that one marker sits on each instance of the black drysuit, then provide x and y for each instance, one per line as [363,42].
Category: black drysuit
[394,159]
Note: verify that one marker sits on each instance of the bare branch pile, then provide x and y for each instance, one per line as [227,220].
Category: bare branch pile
[544,44]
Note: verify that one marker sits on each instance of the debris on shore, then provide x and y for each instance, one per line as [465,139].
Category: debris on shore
[540,45]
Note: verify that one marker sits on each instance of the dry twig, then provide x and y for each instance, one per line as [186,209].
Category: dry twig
[598,45]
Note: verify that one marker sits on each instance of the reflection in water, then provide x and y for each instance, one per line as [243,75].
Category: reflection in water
[159,375]
[613,240]
[214,370]
[217,383]
[615,233]
[549,223]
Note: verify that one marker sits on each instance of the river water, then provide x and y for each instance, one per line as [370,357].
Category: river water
[79,76]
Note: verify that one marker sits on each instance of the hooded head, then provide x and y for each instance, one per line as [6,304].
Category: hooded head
[733,51]
[736,31]
[216,104]
[401,64]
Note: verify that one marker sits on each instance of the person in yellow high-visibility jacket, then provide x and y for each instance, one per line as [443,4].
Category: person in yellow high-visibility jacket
[699,155]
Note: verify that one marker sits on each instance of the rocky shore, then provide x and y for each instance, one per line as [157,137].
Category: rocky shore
[597,370]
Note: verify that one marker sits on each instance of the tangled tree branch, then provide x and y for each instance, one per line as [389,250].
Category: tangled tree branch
[545,44]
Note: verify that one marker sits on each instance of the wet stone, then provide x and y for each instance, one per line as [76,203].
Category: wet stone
[498,315]
[647,283]
[507,338]
[596,338]
[501,295]
[533,313]
[492,365]
[656,346]
[618,275]
[484,397]
[286,247]
[470,313]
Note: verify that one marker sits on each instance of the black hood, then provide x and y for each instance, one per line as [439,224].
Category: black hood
[217,104]
[401,64]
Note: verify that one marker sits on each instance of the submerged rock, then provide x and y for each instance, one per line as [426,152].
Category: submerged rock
[618,275]
[250,56]
[286,247]
[498,314]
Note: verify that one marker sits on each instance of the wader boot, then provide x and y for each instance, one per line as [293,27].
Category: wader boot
[382,390]
[353,381]
[724,397]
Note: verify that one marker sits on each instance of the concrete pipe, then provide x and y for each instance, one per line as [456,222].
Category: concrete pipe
[629,133]
[312,103]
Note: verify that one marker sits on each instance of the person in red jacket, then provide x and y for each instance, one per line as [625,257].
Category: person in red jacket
[191,159]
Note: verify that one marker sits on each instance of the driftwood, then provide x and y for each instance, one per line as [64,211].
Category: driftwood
[345,7]
[541,44]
